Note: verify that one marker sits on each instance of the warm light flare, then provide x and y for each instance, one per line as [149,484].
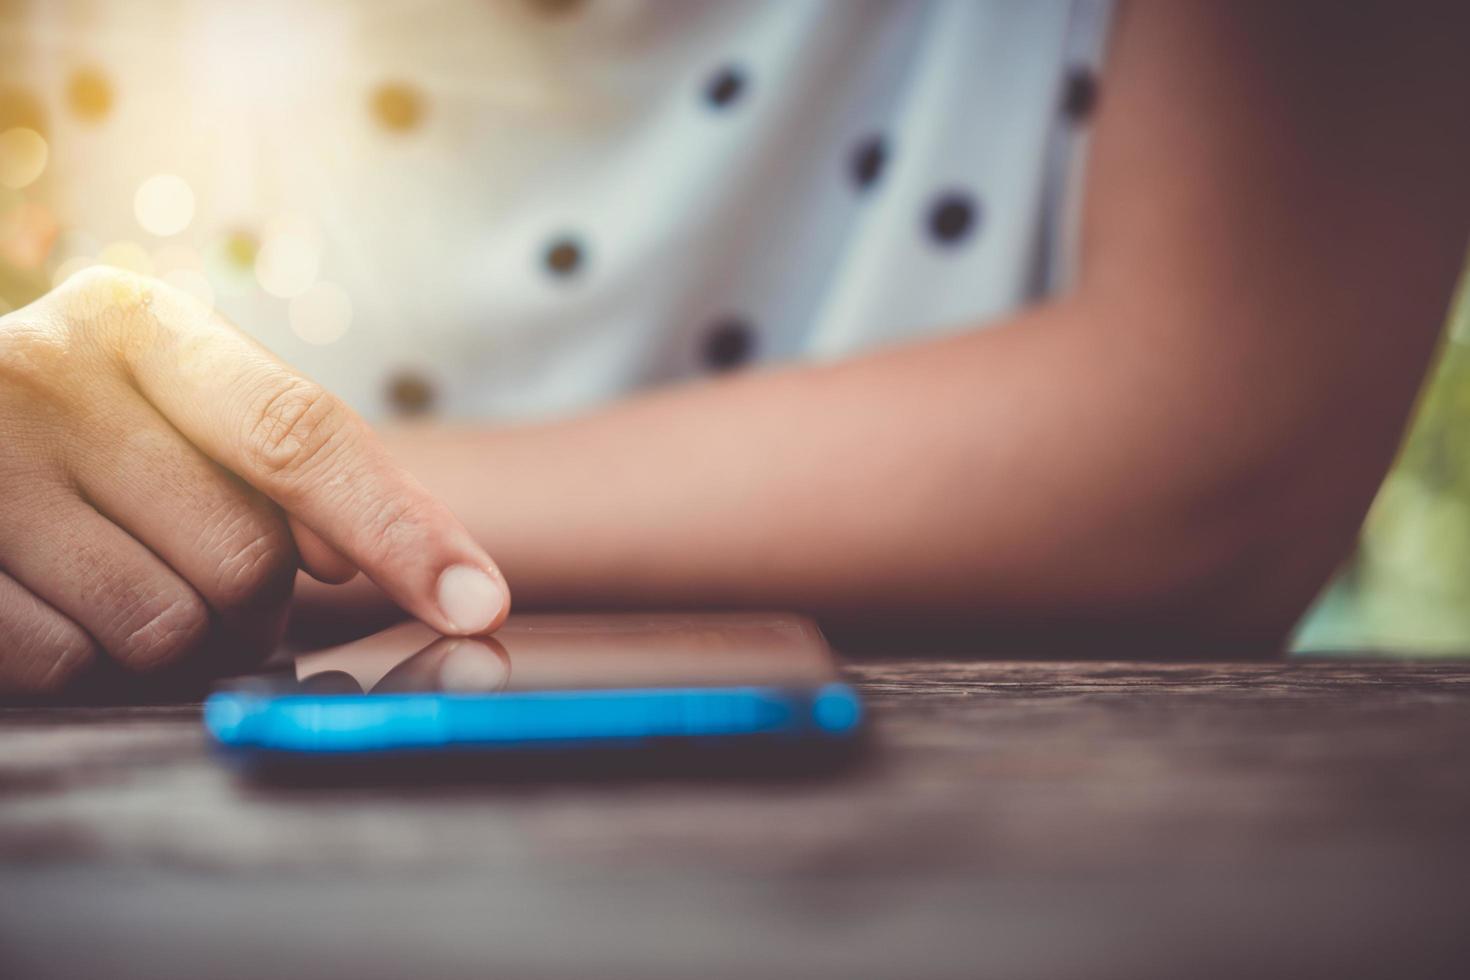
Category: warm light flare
[192,282]
[23,157]
[164,205]
[127,255]
[289,257]
[71,267]
[322,314]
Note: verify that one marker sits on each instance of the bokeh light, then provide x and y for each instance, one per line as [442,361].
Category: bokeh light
[193,282]
[23,156]
[127,255]
[21,107]
[75,250]
[289,257]
[241,248]
[230,262]
[71,267]
[164,205]
[322,314]
[28,232]
[176,256]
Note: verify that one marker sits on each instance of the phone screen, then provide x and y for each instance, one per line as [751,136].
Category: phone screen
[756,689]
[585,651]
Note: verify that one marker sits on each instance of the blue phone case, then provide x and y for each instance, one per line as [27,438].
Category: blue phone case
[349,725]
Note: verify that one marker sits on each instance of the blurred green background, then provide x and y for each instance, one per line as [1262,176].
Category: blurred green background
[1407,589]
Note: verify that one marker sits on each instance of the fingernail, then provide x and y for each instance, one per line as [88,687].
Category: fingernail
[469,598]
[472,666]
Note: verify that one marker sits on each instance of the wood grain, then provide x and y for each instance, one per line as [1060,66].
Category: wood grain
[1283,818]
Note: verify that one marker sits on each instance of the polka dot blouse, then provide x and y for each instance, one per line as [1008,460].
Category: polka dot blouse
[509,208]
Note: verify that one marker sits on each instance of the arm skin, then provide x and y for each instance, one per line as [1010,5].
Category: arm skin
[1174,456]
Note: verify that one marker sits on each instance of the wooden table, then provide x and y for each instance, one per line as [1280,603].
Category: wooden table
[1016,820]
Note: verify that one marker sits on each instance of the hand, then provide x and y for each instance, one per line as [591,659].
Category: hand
[162,477]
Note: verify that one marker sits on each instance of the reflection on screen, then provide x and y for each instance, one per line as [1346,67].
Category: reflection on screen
[581,651]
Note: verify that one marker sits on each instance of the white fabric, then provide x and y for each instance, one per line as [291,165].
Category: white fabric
[593,123]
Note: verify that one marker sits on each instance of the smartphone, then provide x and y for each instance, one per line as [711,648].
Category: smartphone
[599,693]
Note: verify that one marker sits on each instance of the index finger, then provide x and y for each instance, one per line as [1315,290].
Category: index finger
[307,451]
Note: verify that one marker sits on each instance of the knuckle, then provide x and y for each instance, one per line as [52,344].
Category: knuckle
[114,310]
[104,288]
[396,528]
[89,281]
[97,311]
[31,356]
[292,428]
[38,402]
[162,631]
[258,564]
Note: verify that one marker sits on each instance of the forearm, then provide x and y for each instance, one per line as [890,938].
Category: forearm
[1036,471]
[1189,440]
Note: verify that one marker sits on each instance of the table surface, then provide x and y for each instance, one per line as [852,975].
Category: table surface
[1014,819]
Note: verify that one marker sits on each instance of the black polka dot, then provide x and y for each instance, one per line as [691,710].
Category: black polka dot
[410,393]
[725,87]
[1079,96]
[865,165]
[564,256]
[555,8]
[952,217]
[729,344]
